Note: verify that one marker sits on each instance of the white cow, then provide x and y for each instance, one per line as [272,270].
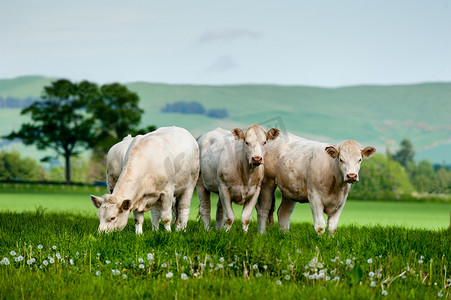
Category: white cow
[160,169]
[309,171]
[232,166]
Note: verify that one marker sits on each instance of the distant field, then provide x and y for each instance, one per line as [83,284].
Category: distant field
[408,214]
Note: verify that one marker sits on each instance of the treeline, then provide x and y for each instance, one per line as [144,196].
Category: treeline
[399,176]
[10,102]
[193,107]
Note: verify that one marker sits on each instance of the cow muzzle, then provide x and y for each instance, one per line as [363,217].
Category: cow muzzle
[256,160]
[352,178]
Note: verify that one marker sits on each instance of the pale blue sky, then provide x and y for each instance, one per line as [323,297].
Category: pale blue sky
[320,43]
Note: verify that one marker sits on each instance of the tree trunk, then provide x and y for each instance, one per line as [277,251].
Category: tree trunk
[67,158]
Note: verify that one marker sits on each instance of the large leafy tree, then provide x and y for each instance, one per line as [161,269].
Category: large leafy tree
[405,154]
[115,113]
[59,120]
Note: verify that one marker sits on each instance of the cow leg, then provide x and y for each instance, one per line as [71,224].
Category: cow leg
[226,202]
[284,213]
[247,210]
[332,220]
[155,216]
[183,205]
[205,203]
[219,215]
[166,199]
[264,205]
[138,216]
[317,212]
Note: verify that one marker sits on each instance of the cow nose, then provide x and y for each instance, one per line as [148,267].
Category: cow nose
[256,160]
[351,177]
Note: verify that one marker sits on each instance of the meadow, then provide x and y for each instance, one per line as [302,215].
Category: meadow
[49,248]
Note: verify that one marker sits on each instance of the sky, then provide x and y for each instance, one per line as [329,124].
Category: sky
[326,43]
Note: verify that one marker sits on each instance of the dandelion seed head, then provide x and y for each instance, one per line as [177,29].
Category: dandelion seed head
[287,277]
[124,276]
[278,282]
[149,256]
[13,253]
[258,274]
[221,259]
[255,267]
[107,262]
[420,261]
[45,263]
[141,266]
[298,251]
[140,260]
[40,247]
[440,293]
[370,261]
[373,284]
[183,276]
[371,274]
[51,260]
[384,293]
[169,275]
[98,273]
[5,261]
[54,247]
[164,265]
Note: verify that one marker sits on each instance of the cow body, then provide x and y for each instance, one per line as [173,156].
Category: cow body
[160,169]
[231,166]
[309,171]
[115,160]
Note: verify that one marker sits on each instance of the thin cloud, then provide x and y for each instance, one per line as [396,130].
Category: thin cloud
[228,34]
[222,64]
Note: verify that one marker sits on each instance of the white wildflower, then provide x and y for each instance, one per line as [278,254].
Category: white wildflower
[51,260]
[141,266]
[185,257]
[440,293]
[71,261]
[371,274]
[54,247]
[164,265]
[420,261]
[45,263]
[124,276]
[116,272]
[13,253]
[287,277]
[258,274]
[336,278]
[20,258]
[98,273]
[373,284]
[140,260]
[221,259]
[255,267]
[279,282]
[370,261]
[58,255]
[40,247]
[183,276]
[107,262]
[384,293]
[348,261]
[5,261]
[149,256]
[298,251]
[169,275]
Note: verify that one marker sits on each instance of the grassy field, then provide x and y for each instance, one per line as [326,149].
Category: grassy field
[60,255]
[50,248]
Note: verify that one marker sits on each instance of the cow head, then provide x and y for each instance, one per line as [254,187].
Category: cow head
[113,215]
[348,156]
[254,139]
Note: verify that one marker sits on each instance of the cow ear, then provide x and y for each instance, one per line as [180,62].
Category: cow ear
[97,201]
[126,204]
[238,134]
[368,151]
[332,151]
[272,134]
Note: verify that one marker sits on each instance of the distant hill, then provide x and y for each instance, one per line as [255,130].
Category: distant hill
[373,115]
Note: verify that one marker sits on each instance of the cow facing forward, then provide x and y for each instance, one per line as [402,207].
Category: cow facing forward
[232,164]
[308,171]
[159,168]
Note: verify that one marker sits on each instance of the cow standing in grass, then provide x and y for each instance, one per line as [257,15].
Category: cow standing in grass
[309,171]
[232,165]
[159,169]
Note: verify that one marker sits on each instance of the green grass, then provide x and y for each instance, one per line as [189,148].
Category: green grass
[60,255]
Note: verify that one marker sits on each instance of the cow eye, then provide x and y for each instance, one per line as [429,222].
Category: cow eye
[341,161]
[247,143]
[264,143]
[113,218]
[360,160]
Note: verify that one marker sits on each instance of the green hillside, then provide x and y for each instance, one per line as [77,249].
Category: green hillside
[373,115]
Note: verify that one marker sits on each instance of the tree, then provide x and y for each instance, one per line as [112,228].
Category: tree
[13,167]
[423,177]
[59,120]
[115,114]
[405,154]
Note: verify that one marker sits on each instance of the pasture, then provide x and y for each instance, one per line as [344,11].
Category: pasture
[49,248]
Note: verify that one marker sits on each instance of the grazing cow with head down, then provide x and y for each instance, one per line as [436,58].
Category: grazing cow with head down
[308,171]
[159,169]
[232,164]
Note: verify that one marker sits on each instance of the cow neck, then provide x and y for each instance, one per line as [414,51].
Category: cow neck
[125,189]
[340,184]
[251,175]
